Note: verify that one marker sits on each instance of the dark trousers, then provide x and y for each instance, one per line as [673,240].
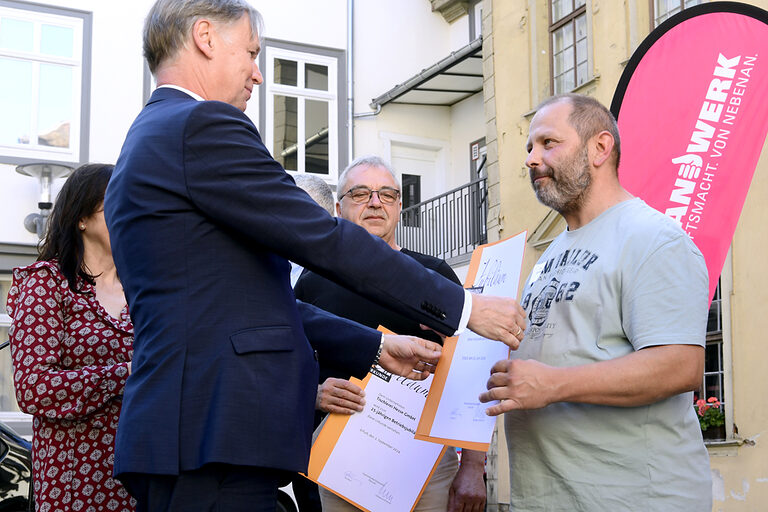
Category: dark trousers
[306,494]
[211,488]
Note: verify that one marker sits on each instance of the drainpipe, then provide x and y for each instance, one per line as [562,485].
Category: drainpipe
[351,116]
[350,80]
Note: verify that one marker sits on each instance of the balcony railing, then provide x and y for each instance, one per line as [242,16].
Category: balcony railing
[449,225]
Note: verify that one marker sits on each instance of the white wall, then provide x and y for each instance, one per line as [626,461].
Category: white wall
[467,125]
[394,41]
[312,22]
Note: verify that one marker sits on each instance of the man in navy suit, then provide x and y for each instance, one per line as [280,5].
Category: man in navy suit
[202,222]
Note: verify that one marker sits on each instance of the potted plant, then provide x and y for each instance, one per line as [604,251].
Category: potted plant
[711,418]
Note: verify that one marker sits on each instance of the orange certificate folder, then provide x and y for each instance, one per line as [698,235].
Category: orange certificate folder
[453,414]
[371,458]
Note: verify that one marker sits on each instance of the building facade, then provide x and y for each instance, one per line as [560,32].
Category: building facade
[536,48]
[338,83]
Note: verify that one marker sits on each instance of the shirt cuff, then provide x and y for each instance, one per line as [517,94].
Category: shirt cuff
[465,313]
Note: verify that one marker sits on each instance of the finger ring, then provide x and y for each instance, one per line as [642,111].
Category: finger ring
[519,330]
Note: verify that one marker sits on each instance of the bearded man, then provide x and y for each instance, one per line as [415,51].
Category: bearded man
[598,398]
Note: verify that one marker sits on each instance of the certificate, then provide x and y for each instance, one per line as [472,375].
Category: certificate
[453,414]
[371,458]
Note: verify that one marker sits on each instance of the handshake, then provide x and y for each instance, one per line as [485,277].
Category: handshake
[496,318]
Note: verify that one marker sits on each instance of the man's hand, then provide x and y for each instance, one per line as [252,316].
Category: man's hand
[409,356]
[498,318]
[638,378]
[339,396]
[519,384]
[467,492]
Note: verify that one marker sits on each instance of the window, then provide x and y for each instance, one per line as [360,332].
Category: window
[714,368]
[7,396]
[43,52]
[663,9]
[411,195]
[718,375]
[302,110]
[568,39]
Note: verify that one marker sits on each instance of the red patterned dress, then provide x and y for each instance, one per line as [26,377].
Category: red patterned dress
[70,360]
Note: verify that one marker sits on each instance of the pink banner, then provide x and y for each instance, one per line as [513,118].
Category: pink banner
[692,108]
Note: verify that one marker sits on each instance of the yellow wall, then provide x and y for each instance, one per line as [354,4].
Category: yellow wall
[517,50]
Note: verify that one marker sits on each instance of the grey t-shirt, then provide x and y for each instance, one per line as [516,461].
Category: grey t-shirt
[629,279]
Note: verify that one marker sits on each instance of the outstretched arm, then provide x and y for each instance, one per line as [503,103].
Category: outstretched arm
[351,348]
[498,318]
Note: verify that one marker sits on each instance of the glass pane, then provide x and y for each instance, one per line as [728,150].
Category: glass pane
[581,27]
[714,322]
[559,64]
[579,3]
[284,128]
[563,37]
[286,72]
[664,9]
[564,82]
[568,59]
[560,8]
[713,386]
[561,83]
[581,74]
[15,101]
[58,41]
[581,51]
[7,395]
[316,136]
[316,77]
[16,35]
[55,108]
[713,357]
[691,3]
[5,285]
[411,194]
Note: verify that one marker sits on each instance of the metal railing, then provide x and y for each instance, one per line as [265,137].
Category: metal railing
[449,225]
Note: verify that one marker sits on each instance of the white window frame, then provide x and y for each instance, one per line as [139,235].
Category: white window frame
[302,93]
[33,150]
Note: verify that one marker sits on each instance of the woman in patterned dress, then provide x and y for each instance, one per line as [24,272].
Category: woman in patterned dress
[72,342]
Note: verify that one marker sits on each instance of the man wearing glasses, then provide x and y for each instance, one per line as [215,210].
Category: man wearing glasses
[369,196]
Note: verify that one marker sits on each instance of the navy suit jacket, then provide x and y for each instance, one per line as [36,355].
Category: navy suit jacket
[202,221]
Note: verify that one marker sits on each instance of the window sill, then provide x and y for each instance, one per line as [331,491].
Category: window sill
[586,84]
[726,448]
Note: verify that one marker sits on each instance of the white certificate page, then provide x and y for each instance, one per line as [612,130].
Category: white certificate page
[460,415]
[376,462]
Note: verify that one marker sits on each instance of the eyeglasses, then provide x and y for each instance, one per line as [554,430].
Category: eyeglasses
[363,194]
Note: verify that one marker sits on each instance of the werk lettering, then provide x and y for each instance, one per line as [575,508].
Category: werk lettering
[697,168]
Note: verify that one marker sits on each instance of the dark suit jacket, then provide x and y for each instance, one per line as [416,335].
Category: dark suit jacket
[202,221]
[314,289]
